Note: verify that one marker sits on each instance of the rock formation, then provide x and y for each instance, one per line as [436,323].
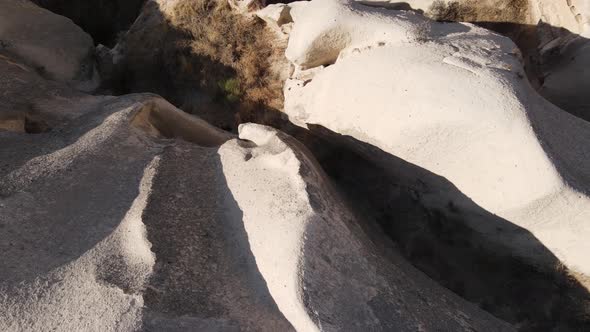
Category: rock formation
[553,35]
[487,132]
[37,44]
[102,19]
[124,213]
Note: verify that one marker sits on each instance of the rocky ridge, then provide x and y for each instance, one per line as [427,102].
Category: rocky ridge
[126,213]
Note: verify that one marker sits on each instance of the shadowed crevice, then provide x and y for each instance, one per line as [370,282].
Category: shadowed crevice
[205,277]
[477,255]
[455,242]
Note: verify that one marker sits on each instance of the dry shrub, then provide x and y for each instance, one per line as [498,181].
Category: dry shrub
[508,17]
[513,11]
[235,41]
[205,58]
[441,10]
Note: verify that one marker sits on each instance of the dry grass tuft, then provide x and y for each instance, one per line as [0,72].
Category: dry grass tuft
[204,58]
[235,41]
[514,11]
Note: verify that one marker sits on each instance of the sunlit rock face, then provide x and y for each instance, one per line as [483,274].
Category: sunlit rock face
[129,214]
[102,19]
[488,132]
[51,44]
[125,213]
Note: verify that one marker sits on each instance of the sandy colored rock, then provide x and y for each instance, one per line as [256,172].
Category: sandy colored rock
[124,213]
[112,222]
[51,44]
[488,132]
[553,35]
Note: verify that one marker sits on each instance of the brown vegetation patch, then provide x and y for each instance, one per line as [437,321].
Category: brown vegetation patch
[18,122]
[514,11]
[205,58]
[233,40]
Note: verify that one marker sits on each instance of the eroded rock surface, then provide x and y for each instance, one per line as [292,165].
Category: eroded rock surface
[488,132]
[124,213]
[49,43]
[102,19]
[111,221]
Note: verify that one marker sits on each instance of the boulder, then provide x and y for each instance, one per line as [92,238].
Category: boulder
[564,51]
[104,20]
[488,132]
[125,213]
[53,45]
[129,214]
[278,18]
[554,36]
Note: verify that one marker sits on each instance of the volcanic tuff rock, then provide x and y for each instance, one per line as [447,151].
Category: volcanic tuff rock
[124,213]
[114,217]
[488,132]
[49,43]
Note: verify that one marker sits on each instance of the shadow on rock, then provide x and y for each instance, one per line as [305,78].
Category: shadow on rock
[205,277]
[468,250]
[556,62]
[69,192]
[453,240]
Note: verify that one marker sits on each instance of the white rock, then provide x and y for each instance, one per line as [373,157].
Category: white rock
[305,242]
[130,214]
[51,43]
[324,28]
[457,105]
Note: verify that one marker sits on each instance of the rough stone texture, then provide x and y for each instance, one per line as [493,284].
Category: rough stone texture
[102,19]
[51,44]
[125,213]
[111,224]
[553,34]
[111,221]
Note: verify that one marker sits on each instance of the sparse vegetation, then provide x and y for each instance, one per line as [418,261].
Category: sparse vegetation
[205,58]
[238,42]
[440,10]
[511,11]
